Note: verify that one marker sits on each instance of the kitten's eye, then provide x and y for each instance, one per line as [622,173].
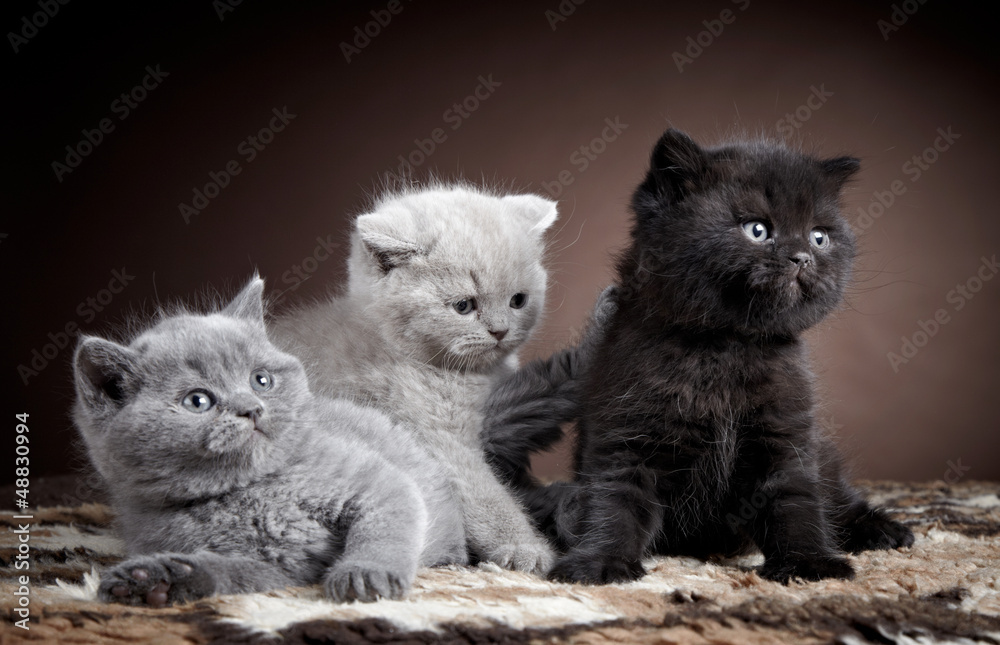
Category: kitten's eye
[198,401]
[756,231]
[261,380]
[819,238]
[518,300]
[466,306]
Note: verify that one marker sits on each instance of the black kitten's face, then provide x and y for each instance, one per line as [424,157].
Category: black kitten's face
[746,238]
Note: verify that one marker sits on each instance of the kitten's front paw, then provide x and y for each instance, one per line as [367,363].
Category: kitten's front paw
[596,569]
[157,581]
[533,557]
[876,530]
[367,582]
[813,568]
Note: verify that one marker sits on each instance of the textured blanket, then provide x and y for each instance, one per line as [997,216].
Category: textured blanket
[946,588]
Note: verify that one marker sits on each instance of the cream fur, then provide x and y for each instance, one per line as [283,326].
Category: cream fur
[395,340]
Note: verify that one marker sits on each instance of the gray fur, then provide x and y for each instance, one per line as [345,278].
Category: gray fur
[266,488]
[395,340]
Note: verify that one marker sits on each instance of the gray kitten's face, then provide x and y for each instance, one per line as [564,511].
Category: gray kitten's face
[454,276]
[194,406]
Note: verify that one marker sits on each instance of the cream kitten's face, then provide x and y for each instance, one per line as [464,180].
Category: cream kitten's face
[454,276]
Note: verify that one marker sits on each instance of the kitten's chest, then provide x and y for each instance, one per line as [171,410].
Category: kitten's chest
[429,399]
[714,383]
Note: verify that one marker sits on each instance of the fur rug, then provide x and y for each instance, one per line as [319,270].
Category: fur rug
[945,589]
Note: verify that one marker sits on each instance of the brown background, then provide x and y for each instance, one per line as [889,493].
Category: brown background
[119,208]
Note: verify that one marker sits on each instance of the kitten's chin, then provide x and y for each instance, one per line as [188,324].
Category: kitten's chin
[238,438]
[478,359]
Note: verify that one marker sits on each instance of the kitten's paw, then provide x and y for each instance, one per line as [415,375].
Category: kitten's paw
[606,306]
[367,582]
[596,569]
[876,530]
[157,581]
[811,568]
[532,557]
[600,318]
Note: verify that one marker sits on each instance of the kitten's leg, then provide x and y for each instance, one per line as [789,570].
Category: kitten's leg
[386,533]
[859,526]
[165,578]
[619,519]
[793,532]
[496,526]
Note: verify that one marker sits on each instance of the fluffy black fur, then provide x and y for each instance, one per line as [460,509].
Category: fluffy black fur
[525,411]
[697,433]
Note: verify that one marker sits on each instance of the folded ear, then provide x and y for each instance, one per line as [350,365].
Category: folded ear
[675,165]
[105,372]
[384,246]
[840,169]
[537,212]
[249,303]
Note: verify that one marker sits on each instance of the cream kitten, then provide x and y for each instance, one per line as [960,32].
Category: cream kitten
[445,285]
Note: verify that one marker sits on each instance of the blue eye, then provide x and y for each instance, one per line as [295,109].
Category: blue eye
[466,306]
[819,238]
[261,380]
[198,401]
[756,231]
[518,300]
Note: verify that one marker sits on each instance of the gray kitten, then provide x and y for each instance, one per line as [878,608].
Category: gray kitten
[228,475]
[445,284]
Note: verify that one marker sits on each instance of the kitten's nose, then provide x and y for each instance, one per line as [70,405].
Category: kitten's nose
[499,335]
[254,413]
[801,258]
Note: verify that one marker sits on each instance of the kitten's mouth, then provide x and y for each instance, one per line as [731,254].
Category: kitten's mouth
[259,429]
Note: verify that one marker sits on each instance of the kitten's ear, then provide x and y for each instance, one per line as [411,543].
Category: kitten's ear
[249,303]
[675,165]
[840,169]
[383,245]
[106,373]
[539,213]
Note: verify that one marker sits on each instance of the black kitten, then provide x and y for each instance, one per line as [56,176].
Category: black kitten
[698,433]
